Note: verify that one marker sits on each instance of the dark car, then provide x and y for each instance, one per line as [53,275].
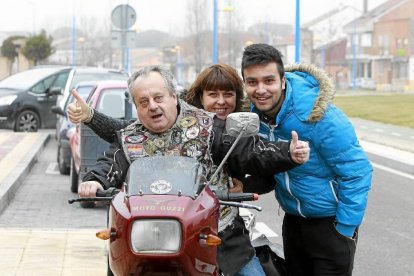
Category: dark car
[63,126]
[26,98]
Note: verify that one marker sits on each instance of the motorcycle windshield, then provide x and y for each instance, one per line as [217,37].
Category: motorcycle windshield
[164,175]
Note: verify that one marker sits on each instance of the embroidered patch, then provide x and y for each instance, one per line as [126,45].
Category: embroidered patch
[176,136]
[193,148]
[136,139]
[188,121]
[150,146]
[192,132]
[135,150]
[205,121]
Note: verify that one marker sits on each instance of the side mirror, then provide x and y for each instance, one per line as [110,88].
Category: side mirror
[55,91]
[56,109]
[244,123]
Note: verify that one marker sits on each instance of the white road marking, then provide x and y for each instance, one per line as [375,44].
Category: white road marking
[406,175]
[378,130]
[52,168]
[396,134]
[262,228]
[364,127]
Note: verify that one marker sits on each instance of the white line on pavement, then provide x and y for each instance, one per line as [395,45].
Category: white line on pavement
[396,134]
[262,228]
[52,168]
[378,130]
[393,171]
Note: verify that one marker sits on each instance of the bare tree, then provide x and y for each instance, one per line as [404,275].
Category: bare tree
[198,24]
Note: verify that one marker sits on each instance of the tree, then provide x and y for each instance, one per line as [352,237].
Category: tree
[38,47]
[10,50]
[198,23]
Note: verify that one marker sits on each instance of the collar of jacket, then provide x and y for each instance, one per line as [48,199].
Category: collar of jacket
[311,80]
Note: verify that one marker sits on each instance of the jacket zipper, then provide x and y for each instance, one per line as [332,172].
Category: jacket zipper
[287,179]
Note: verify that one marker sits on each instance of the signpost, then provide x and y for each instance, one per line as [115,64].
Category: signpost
[123,17]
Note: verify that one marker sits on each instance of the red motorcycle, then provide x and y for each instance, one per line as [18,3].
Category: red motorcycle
[164,220]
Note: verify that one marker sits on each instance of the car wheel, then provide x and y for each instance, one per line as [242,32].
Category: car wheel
[74,178]
[27,120]
[63,167]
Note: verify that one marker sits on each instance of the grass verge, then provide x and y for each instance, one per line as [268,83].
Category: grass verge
[390,109]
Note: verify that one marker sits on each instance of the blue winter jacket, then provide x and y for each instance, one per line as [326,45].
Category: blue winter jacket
[336,179]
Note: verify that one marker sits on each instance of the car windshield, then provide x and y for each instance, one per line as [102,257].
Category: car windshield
[26,79]
[163,175]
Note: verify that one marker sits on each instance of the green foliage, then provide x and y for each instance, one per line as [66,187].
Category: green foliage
[38,47]
[9,49]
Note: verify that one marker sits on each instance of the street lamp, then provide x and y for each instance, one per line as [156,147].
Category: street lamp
[297,32]
[229,9]
[214,46]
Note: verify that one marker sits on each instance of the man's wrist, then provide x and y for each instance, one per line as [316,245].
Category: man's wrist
[91,112]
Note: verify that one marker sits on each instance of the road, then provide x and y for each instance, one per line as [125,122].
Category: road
[385,246]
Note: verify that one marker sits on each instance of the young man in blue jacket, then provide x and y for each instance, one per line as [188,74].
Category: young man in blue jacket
[325,199]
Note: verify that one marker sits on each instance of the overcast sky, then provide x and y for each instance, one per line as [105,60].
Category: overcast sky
[165,15]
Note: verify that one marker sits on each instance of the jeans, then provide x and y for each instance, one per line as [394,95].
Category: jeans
[251,268]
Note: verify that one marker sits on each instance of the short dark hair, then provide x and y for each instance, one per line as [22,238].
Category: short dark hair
[216,77]
[261,53]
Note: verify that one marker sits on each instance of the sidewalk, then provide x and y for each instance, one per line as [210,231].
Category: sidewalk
[18,153]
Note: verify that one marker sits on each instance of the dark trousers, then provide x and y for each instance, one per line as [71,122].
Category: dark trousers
[313,247]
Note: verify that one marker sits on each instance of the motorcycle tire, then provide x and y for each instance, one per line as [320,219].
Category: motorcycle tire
[272,264]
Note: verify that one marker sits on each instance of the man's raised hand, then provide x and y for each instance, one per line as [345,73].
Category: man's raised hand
[78,110]
[299,150]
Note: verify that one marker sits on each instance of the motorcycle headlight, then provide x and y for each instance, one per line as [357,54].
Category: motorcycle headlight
[7,100]
[156,236]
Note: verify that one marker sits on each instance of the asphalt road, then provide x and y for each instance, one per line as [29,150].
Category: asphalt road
[385,246]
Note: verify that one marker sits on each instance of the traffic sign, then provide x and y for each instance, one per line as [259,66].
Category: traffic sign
[123,17]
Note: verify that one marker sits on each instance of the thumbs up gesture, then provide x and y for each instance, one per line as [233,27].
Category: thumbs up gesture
[299,150]
[78,110]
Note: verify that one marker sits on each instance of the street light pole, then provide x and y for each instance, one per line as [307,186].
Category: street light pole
[214,46]
[297,32]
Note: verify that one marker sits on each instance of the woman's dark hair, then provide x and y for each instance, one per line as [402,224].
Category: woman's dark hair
[262,54]
[216,77]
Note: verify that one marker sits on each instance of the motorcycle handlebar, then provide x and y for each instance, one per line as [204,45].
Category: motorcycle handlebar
[237,197]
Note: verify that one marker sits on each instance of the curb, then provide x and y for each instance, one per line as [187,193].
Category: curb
[390,157]
[13,182]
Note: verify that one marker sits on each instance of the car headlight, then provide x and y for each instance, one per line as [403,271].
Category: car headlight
[7,100]
[156,236]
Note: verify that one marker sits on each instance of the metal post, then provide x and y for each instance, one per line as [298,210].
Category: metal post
[297,32]
[214,46]
[73,39]
[354,66]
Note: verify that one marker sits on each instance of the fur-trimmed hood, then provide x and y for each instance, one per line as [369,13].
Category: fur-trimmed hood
[297,74]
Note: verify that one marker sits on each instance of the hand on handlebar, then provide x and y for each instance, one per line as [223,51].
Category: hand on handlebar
[89,188]
[237,186]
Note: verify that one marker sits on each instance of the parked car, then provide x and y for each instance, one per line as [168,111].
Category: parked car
[63,125]
[26,98]
[82,74]
[364,83]
[107,97]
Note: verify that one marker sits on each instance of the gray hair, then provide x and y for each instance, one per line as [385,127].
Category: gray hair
[169,80]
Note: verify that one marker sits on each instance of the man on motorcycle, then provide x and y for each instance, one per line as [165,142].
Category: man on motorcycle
[166,126]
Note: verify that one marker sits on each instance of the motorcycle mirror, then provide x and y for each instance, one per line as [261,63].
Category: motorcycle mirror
[246,123]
